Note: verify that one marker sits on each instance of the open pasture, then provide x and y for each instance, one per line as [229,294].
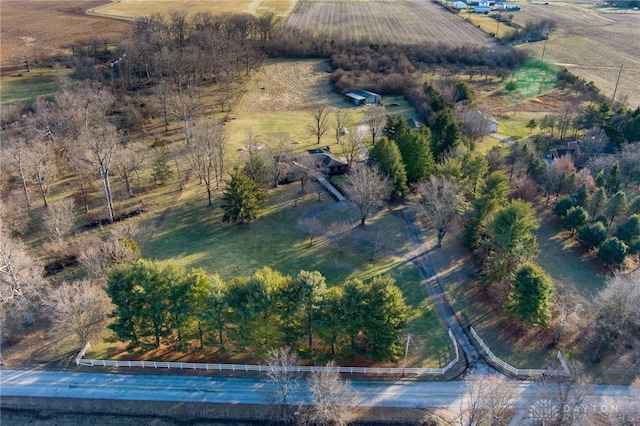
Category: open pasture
[129,9]
[385,21]
[591,44]
[49,27]
[278,98]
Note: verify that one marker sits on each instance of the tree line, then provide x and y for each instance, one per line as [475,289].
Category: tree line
[157,303]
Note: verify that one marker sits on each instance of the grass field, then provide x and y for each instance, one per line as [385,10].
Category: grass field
[129,9]
[25,87]
[385,21]
[195,236]
[277,100]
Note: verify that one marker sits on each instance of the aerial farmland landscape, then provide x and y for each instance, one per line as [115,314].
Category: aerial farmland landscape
[319,212]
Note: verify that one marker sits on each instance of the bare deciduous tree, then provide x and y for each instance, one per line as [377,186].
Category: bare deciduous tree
[619,308]
[338,233]
[279,148]
[367,189]
[80,308]
[571,395]
[20,277]
[376,118]
[122,246]
[441,200]
[312,228]
[14,212]
[594,141]
[302,169]
[283,378]
[96,148]
[330,399]
[630,164]
[372,242]
[350,148]
[320,124]
[488,399]
[16,156]
[129,161]
[204,151]
[41,164]
[342,121]
[59,219]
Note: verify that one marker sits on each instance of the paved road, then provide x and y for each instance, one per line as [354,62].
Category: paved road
[255,391]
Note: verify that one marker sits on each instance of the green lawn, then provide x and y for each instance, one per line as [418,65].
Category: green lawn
[458,274]
[25,87]
[194,235]
[563,259]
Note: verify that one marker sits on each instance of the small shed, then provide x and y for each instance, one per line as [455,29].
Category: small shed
[414,124]
[363,97]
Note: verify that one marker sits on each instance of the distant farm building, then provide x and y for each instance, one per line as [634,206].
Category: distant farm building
[481,2]
[503,5]
[363,97]
[458,5]
[482,8]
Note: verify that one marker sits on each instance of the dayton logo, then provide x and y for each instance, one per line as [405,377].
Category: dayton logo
[543,409]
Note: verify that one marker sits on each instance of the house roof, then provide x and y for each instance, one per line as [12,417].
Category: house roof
[470,115]
[361,94]
[609,149]
[331,161]
[414,124]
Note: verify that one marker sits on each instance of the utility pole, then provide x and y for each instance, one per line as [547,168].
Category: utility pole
[406,351]
[544,47]
[613,98]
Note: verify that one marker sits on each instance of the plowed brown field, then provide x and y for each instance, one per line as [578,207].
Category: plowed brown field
[385,21]
[46,27]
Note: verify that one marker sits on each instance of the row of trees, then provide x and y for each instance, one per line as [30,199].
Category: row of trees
[158,302]
[592,217]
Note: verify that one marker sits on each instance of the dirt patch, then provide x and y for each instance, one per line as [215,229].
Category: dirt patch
[47,28]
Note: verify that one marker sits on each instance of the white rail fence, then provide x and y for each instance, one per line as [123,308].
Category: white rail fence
[264,368]
[521,371]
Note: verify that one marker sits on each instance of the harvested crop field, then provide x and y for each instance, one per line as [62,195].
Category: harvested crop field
[129,9]
[592,44]
[385,21]
[50,27]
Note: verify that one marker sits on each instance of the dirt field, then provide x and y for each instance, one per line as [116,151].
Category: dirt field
[129,9]
[410,21]
[49,27]
[593,43]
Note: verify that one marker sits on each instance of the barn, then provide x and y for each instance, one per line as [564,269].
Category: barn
[458,5]
[363,97]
